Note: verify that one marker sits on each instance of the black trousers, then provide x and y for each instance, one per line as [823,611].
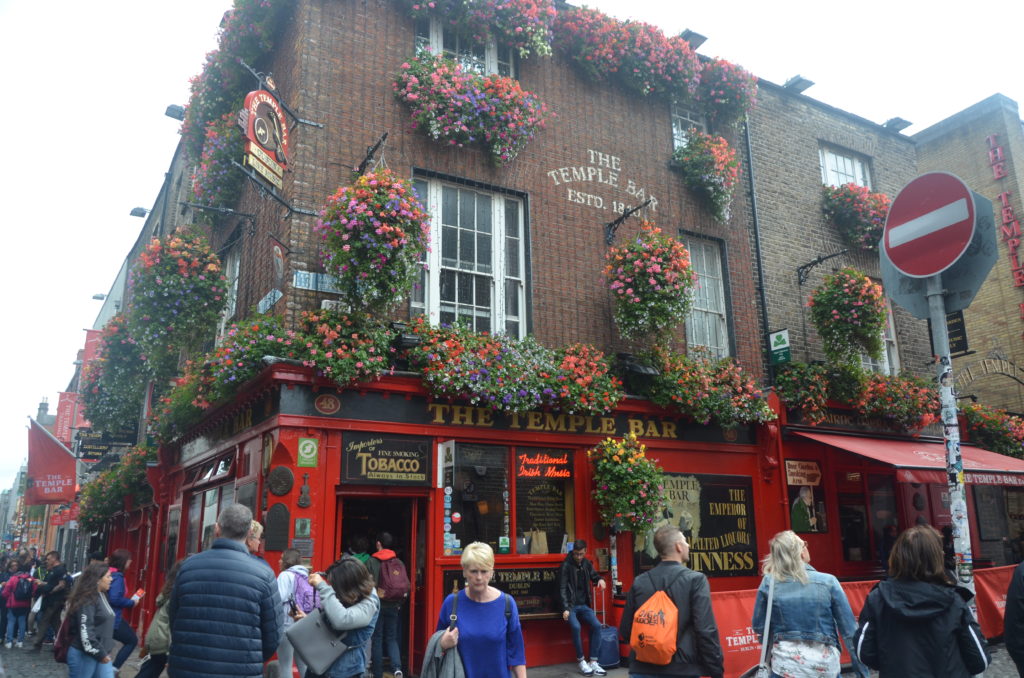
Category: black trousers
[47,617]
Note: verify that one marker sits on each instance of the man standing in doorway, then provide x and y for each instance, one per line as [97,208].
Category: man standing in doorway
[388,628]
[698,652]
[575,577]
[225,610]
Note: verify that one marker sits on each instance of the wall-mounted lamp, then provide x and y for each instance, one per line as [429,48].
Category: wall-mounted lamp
[693,37]
[897,124]
[175,111]
[798,84]
[99,297]
[139,212]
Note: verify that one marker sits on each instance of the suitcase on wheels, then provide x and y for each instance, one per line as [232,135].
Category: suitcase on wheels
[608,657]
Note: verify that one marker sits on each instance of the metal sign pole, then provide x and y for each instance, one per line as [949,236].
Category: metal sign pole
[951,435]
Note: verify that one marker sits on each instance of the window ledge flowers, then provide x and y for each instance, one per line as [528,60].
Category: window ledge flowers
[848,311]
[857,213]
[907,402]
[629,488]
[462,108]
[710,169]
[375,233]
[652,280]
[513,375]
[523,25]
[995,430]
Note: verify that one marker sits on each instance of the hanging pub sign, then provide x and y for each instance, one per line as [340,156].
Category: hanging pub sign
[383,459]
[266,134]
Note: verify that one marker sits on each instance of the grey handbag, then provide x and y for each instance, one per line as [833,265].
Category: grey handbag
[316,642]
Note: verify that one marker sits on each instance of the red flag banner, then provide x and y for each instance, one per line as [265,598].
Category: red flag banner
[51,469]
[991,585]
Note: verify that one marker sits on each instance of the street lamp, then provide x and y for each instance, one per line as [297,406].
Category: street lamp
[139,212]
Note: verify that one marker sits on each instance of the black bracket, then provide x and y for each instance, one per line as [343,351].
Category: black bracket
[370,152]
[278,241]
[802,272]
[612,226]
[264,190]
[251,218]
[266,81]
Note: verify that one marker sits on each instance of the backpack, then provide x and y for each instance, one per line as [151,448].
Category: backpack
[305,596]
[23,589]
[394,580]
[656,628]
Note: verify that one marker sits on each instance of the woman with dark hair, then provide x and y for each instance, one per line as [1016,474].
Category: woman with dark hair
[809,613]
[917,623]
[91,624]
[158,637]
[18,607]
[348,598]
[119,561]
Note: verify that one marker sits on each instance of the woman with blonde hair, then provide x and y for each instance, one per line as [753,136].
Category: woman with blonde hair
[809,613]
[487,629]
[916,622]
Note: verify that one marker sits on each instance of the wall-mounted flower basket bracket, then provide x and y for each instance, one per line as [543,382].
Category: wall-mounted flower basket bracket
[266,191]
[638,377]
[266,81]
[803,271]
[370,152]
[227,211]
[612,226]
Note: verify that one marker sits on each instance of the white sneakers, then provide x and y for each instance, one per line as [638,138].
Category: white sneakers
[585,668]
[596,668]
[19,645]
[8,645]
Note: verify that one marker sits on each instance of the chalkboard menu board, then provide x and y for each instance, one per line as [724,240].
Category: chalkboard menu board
[543,480]
[535,589]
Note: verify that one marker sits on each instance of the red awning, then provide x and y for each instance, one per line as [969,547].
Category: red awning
[921,462]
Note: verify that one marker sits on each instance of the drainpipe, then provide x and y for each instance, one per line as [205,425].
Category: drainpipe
[766,356]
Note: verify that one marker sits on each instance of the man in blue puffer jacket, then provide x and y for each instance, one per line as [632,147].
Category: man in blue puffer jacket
[225,610]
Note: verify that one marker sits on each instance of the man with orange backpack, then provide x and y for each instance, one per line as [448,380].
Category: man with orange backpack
[668,617]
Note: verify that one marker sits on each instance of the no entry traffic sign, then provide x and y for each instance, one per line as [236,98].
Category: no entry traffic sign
[930,225]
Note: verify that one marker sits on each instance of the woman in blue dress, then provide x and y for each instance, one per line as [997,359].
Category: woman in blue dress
[487,631]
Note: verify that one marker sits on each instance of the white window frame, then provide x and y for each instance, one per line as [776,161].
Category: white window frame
[431,34]
[839,166]
[709,313]
[507,287]
[232,262]
[890,362]
[684,118]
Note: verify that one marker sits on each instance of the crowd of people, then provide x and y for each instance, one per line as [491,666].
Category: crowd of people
[223,612]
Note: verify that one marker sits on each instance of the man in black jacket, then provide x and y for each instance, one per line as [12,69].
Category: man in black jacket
[54,591]
[698,652]
[575,578]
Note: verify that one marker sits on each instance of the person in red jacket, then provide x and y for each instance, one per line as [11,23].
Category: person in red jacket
[385,634]
[17,607]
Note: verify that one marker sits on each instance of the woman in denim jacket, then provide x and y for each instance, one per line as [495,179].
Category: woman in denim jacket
[351,604]
[809,613]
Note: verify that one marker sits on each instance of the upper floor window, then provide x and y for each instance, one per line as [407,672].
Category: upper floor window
[890,360]
[476,266]
[484,59]
[230,270]
[707,326]
[839,166]
[684,119]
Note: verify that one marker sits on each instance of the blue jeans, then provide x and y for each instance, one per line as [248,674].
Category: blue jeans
[123,633]
[386,633]
[81,665]
[587,616]
[17,618]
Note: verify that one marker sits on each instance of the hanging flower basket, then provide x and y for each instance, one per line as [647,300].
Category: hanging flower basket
[651,280]
[114,382]
[710,169]
[848,310]
[995,430]
[217,182]
[804,387]
[177,296]
[726,92]
[629,488]
[462,108]
[344,348]
[857,213]
[374,233]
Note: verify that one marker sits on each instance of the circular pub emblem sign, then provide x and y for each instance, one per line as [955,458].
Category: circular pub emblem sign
[327,403]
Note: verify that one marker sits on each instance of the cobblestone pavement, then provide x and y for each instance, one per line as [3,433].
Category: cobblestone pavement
[24,664]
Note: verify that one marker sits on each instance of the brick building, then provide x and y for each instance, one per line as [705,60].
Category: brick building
[980,145]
